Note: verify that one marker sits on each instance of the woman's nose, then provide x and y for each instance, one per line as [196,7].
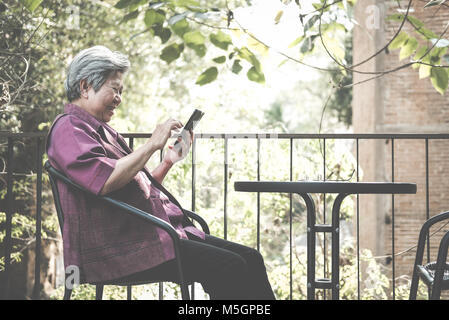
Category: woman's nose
[117,99]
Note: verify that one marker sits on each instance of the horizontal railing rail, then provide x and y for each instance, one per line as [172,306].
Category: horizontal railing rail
[9,172]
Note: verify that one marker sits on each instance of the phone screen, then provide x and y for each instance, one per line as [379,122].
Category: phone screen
[194,119]
[192,122]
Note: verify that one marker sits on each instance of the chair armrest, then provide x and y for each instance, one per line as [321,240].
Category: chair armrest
[144,215]
[197,218]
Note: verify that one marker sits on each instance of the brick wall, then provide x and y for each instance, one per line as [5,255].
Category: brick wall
[399,103]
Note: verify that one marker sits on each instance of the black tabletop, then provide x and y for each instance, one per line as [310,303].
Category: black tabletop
[326,187]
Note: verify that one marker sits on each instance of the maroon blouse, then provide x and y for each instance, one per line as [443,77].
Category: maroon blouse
[103,241]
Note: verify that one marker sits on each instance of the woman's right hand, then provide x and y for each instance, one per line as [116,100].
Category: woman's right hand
[162,132]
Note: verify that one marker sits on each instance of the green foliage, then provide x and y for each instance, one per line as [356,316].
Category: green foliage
[425,57]
[341,101]
[23,225]
[31,4]
[195,23]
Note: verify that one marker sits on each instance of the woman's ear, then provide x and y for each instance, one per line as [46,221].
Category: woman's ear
[84,89]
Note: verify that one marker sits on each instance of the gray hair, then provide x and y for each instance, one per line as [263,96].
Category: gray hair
[94,64]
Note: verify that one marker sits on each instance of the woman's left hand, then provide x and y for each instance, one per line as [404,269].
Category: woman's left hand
[179,151]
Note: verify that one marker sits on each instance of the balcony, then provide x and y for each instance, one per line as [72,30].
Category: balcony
[379,232]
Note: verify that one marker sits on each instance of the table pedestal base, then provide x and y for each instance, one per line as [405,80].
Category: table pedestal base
[312,229]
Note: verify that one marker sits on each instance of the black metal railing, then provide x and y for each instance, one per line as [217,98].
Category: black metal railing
[9,172]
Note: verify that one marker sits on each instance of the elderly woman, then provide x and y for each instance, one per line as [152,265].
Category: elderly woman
[107,244]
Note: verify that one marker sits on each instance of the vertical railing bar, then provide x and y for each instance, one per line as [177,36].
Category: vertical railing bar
[225,213]
[161,291]
[9,214]
[291,221]
[427,207]
[258,195]
[193,174]
[37,266]
[358,224]
[427,198]
[129,288]
[392,222]
[324,218]
[192,289]
[161,284]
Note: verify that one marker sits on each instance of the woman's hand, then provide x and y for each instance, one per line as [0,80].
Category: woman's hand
[179,151]
[162,132]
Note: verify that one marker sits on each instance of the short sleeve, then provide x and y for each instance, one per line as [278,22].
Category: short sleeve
[74,150]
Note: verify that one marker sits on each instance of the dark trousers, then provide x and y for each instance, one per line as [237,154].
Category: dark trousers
[225,269]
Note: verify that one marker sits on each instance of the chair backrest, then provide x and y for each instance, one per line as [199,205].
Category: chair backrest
[53,175]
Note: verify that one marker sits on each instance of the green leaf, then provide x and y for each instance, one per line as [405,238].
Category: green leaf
[424,71]
[419,55]
[31,4]
[308,44]
[278,17]
[439,79]
[181,27]
[398,41]
[310,23]
[130,16]
[221,59]
[236,67]
[176,18]
[427,34]
[296,42]
[434,3]
[220,40]
[255,75]
[413,20]
[163,33]
[195,40]
[172,52]
[122,4]
[132,4]
[200,49]
[136,4]
[186,3]
[153,17]
[207,76]
[246,54]
[408,48]
[194,37]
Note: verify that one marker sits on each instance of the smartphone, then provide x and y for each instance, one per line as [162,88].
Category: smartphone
[193,121]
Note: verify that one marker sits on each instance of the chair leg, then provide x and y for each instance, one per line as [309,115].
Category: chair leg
[185,291]
[67,293]
[440,267]
[419,257]
[418,261]
[129,293]
[99,292]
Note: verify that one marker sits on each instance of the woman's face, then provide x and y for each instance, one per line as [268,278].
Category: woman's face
[101,104]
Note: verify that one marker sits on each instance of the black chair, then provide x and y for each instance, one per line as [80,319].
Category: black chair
[434,274]
[55,175]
